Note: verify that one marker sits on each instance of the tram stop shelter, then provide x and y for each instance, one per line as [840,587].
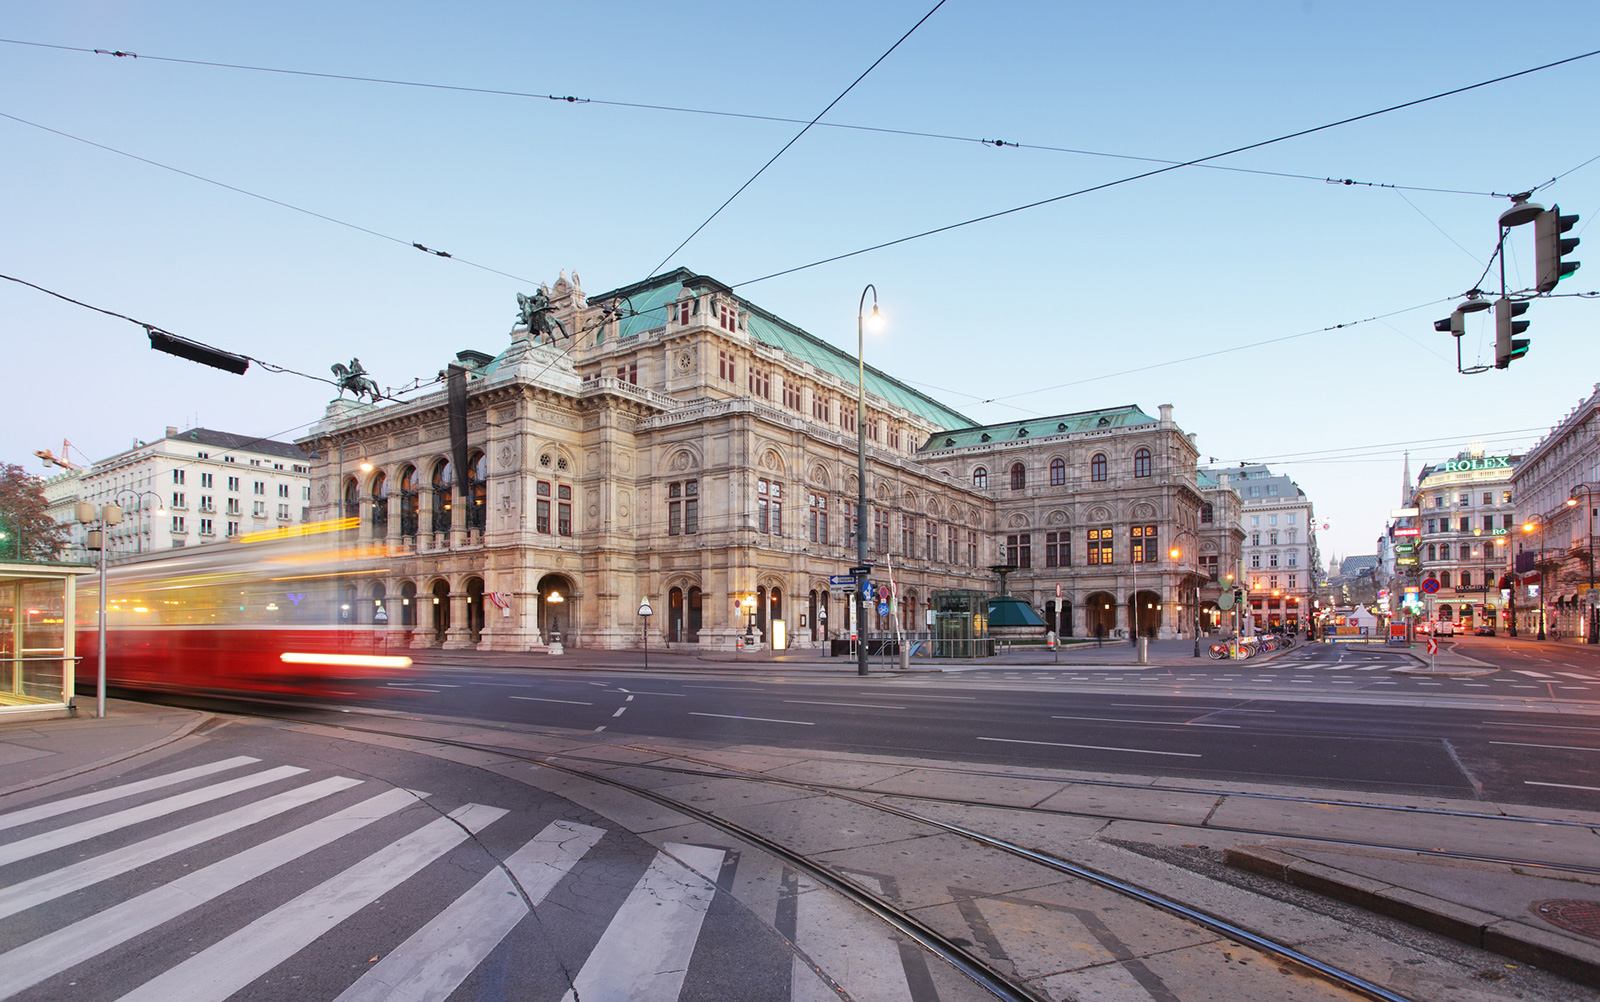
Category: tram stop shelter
[37,650]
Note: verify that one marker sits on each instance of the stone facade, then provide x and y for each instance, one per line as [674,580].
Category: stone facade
[676,443]
[1556,489]
[188,488]
[1467,528]
[1280,547]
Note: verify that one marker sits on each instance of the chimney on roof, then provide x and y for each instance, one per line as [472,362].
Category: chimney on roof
[1166,415]
[172,431]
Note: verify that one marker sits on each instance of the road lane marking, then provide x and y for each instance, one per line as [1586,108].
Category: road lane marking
[408,688]
[1562,786]
[30,814]
[1158,723]
[764,720]
[620,711]
[1531,674]
[644,953]
[1062,744]
[865,706]
[541,699]
[1541,726]
[434,960]
[49,955]
[726,688]
[49,886]
[46,841]
[1527,744]
[918,695]
[1580,678]
[230,964]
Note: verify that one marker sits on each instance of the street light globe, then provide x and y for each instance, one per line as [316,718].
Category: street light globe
[875,322]
[366,467]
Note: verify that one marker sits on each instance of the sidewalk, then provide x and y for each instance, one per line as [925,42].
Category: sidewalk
[37,752]
[1551,921]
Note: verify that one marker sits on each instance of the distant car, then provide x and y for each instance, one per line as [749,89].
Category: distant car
[1485,631]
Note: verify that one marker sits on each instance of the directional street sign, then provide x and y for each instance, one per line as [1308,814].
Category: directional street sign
[848,580]
[866,590]
[883,608]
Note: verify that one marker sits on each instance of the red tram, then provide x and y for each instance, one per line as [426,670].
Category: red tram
[271,614]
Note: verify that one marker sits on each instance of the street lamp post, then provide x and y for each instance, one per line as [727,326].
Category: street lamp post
[1175,553]
[1594,610]
[1538,520]
[876,322]
[366,467]
[161,511]
[645,612]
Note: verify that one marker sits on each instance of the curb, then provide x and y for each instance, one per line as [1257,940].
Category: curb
[1573,959]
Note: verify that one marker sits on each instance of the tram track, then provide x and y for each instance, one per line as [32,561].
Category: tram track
[943,944]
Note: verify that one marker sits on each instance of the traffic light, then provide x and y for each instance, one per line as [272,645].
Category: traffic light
[1453,324]
[1551,247]
[1506,346]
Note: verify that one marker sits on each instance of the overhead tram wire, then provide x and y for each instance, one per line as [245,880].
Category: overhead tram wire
[748,116]
[267,198]
[796,139]
[1163,170]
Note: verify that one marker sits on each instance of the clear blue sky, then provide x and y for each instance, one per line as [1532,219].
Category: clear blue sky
[1028,311]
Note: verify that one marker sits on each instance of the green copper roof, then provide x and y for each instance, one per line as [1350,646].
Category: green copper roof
[651,298]
[1008,610]
[1061,424]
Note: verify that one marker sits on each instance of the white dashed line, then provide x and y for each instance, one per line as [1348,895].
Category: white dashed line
[1060,744]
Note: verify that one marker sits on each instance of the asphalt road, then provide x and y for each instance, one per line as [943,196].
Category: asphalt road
[1321,715]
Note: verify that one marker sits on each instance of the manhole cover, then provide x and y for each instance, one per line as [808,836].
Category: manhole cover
[1573,914]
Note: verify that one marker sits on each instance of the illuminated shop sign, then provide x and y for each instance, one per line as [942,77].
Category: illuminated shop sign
[1478,463]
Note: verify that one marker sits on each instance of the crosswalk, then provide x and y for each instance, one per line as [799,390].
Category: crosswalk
[289,871]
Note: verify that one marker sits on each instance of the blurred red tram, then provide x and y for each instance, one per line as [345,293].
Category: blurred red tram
[271,614]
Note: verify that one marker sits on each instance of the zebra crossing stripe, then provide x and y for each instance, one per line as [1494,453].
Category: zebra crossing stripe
[434,961]
[1573,674]
[95,827]
[28,815]
[49,886]
[49,955]
[233,962]
[644,953]
[1370,668]
[1531,674]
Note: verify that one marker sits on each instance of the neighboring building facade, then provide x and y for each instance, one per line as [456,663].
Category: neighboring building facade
[1467,517]
[188,488]
[1557,493]
[1280,545]
[687,447]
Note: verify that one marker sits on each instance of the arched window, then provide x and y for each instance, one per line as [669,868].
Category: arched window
[1444,553]
[1141,463]
[443,494]
[1207,513]
[352,499]
[1097,467]
[380,505]
[980,478]
[1019,476]
[478,490]
[410,488]
[1058,472]
[1444,579]
[1433,552]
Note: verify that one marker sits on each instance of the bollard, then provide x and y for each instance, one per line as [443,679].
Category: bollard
[1144,650]
[905,658]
